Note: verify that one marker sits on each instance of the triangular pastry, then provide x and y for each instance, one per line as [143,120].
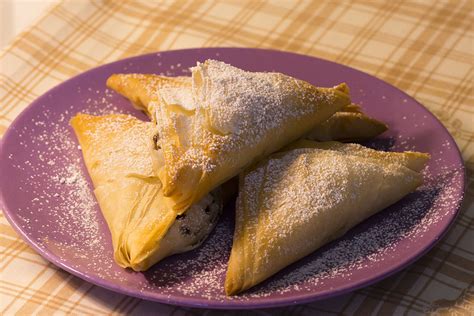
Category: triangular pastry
[230,119]
[298,200]
[118,151]
[348,124]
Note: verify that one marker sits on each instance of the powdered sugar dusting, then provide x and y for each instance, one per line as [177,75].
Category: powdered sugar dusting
[201,274]
[239,116]
[58,211]
[61,192]
[61,210]
[124,135]
[370,243]
[230,96]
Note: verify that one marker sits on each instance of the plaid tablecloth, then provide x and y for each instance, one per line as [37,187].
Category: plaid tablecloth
[422,47]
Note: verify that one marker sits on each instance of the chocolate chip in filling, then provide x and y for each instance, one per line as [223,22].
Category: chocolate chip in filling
[180,216]
[155,141]
[185,230]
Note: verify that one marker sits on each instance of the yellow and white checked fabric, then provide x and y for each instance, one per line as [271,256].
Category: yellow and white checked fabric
[422,47]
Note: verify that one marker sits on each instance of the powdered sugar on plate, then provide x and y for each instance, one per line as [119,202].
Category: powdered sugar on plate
[75,232]
[49,197]
[374,242]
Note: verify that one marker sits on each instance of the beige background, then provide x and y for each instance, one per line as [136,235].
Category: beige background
[17,15]
[422,47]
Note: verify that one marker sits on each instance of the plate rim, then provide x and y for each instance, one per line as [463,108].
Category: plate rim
[216,304]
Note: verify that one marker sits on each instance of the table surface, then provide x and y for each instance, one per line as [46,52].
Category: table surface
[17,15]
[425,48]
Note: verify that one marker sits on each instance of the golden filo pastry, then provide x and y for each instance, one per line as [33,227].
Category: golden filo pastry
[297,200]
[118,152]
[349,124]
[230,119]
[142,89]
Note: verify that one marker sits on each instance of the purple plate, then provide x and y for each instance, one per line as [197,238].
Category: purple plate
[47,196]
